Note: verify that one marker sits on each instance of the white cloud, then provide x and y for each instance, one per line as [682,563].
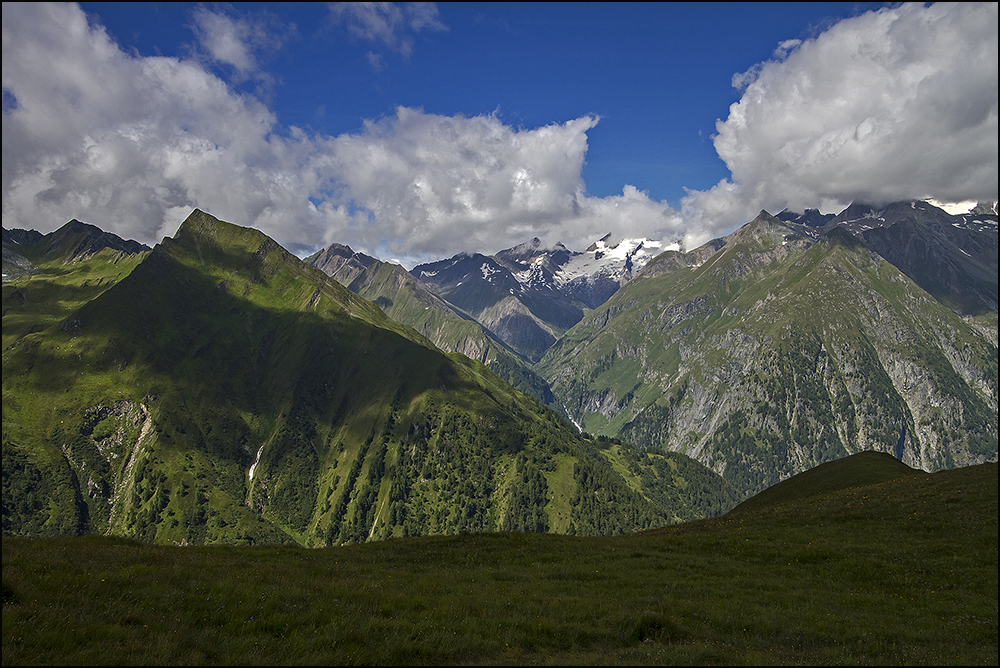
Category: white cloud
[435,185]
[388,22]
[238,42]
[785,47]
[227,40]
[895,104]
[133,144]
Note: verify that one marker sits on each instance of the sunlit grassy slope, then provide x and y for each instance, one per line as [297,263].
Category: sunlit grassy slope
[223,391]
[901,571]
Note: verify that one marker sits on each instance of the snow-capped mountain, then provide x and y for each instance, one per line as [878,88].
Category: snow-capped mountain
[590,276]
[529,294]
[596,274]
[951,256]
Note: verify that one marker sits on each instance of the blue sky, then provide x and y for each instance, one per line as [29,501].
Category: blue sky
[414,131]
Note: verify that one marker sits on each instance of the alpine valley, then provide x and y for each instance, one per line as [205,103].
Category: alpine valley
[217,389]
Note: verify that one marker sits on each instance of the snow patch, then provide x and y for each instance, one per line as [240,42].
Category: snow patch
[488,271]
[607,260]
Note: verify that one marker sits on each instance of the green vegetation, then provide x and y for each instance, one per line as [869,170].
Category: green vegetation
[770,352]
[223,392]
[865,468]
[878,569]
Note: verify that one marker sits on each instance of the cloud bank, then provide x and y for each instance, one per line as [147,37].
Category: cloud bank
[891,105]
[895,104]
[428,182]
[133,144]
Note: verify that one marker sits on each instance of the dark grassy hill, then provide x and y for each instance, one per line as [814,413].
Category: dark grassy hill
[863,468]
[901,572]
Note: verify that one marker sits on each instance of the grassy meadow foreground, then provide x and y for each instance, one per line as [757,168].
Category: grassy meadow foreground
[902,571]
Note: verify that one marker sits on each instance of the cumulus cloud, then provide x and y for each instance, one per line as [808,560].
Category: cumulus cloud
[133,144]
[895,104]
[430,182]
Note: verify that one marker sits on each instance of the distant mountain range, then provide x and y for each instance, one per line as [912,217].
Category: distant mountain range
[953,257]
[222,390]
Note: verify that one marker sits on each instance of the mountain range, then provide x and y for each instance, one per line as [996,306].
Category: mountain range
[217,389]
[928,333]
[775,349]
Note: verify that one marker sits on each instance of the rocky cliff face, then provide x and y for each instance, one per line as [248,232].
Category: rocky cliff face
[775,349]
[341,262]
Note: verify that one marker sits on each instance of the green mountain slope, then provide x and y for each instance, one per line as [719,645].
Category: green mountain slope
[773,350]
[225,391]
[408,300]
[863,468]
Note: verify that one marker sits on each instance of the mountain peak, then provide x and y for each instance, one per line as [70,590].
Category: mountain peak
[810,217]
[78,240]
[522,252]
[341,262]
[600,243]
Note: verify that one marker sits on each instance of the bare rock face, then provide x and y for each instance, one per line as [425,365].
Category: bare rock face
[777,348]
[340,262]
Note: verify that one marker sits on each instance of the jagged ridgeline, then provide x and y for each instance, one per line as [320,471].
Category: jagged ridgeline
[409,301]
[218,389]
[776,349]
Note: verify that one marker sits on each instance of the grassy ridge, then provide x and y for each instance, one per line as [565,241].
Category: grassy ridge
[864,468]
[899,572]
